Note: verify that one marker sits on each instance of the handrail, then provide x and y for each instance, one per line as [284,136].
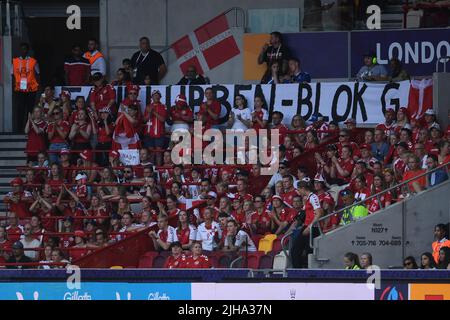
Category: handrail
[444,61]
[377,195]
[283,247]
[235,9]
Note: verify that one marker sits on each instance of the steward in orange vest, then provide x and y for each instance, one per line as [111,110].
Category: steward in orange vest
[95,57]
[25,72]
[441,241]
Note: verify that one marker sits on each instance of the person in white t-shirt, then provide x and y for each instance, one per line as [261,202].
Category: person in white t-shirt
[29,242]
[241,116]
[209,232]
[165,235]
[237,240]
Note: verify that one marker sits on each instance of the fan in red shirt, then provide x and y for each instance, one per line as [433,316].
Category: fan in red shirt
[344,140]
[181,114]
[342,167]
[277,119]
[105,129]
[126,129]
[197,260]
[18,199]
[102,95]
[35,129]
[289,191]
[186,232]
[242,193]
[154,133]
[177,259]
[260,116]
[281,215]
[389,124]
[5,243]
[57,132]
[210,108]
[238,212]
[260,219]
[360,188]
[79,249]
[13,230]
[361,169]
[327,203]
[384,199]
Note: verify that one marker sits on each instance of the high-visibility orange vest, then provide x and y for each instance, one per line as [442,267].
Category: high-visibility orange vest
[23,69]
[437,246]
[92,58]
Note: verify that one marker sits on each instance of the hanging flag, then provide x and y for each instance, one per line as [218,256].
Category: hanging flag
[207,47]
[420,97]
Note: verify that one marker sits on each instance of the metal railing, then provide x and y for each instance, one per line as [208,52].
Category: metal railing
[236,11]
[444,61]
[377,196]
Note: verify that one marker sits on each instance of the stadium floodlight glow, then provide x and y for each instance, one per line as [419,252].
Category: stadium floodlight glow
[251,147]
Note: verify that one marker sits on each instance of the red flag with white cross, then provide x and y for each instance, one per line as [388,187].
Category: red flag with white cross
[206,47]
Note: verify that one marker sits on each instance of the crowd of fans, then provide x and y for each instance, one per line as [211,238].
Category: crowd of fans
[77,196]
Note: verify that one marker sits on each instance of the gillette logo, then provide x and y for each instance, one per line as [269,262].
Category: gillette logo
[77,296]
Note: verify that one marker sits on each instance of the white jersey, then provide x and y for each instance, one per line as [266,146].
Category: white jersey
[168,236]
[245,115]
[206,236]
[241,238]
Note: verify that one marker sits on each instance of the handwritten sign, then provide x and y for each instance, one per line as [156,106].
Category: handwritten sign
[129,157]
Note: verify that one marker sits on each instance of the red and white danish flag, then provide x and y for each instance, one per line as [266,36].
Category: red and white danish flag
[420,97]
[207,47]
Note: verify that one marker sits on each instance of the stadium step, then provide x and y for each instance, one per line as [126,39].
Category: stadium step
[12,154]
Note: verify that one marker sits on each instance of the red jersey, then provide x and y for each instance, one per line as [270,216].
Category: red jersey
[346,165]
[263,115]
[14,233]
[175,263]
[78,138]
[64,125]
[36,142]
[201,262]
[215,107]
[101,96]
[374,205]
[388,129]
[186,234]
[288,197]
[239,217]
[399,167]
[244,197]
[154,127]
[177,114]
[261,222]
[77,223]
[288,215]
[312,203]
[102,135]
[21,207]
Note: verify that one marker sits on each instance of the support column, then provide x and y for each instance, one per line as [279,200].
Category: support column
[441,98]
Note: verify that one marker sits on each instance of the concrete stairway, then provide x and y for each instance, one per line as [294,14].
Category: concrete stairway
[12,147]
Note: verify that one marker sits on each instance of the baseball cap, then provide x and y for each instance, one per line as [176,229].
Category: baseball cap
[16,182]
[316,117]
[180,100]
[80,176]
[365,146]
[276,197]
[80,233]
[435,126]
[430,112]
[97,76]
[212,194]
[87,155]
[156,92]
[17,245]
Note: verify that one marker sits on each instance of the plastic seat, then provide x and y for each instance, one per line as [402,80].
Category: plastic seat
[146,261]
[265,262]
[224,259]
[277,245]
[116,267]
[253,259]
[266,243]
[159,261]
